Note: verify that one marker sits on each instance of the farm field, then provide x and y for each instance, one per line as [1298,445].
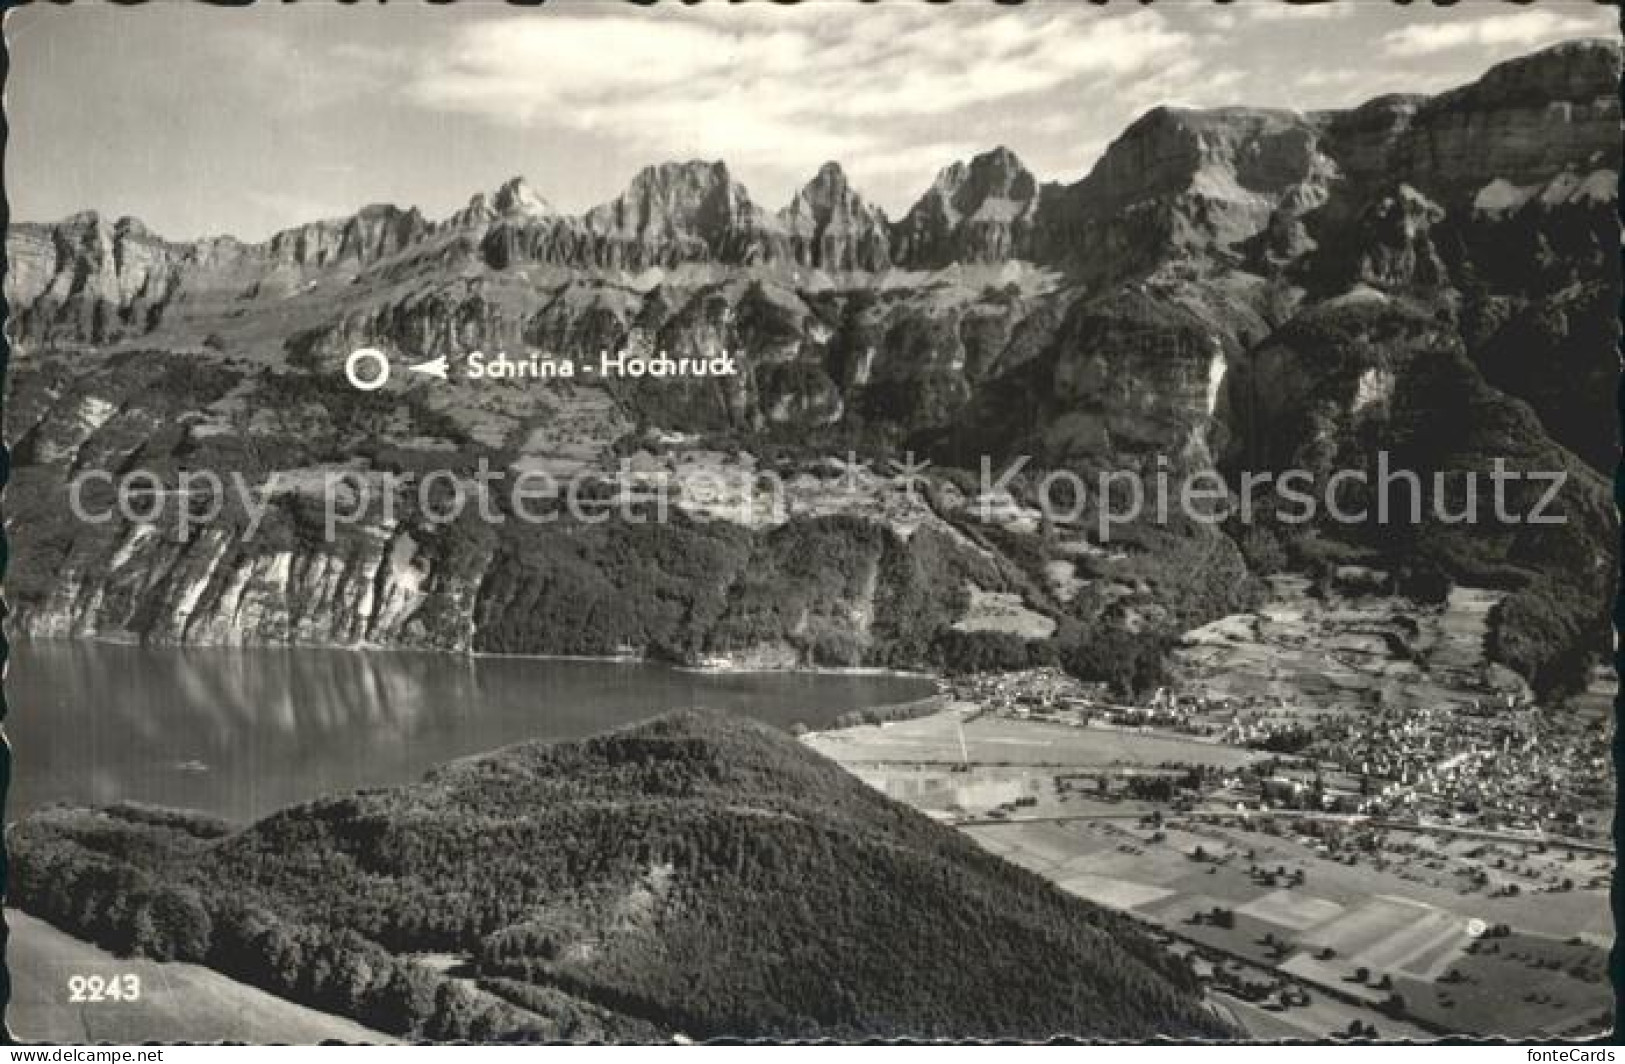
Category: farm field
[1360,933]
[1548,995]
[1320,658]
[1321,806]
[1314,1020]
[1381,927]
[993,740]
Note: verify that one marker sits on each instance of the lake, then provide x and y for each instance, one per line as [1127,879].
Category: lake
[241,732]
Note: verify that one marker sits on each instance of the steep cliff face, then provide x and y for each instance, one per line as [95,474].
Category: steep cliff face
[976,212]
[1184,186]
[1267,188]
[1383,386]
[671,214]
[88,278]
[870,576]
[218,589]
[1524,122]
[1115,381]
[373,234]
[515,200]
[681,212]
[832,228]
[1396,243]
[825,590]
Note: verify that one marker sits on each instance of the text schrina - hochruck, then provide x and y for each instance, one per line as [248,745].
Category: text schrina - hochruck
[501,366]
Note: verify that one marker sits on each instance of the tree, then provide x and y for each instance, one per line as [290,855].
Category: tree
[403,1002]
[181,926]
[353,974]
[141,935]
[456,1010]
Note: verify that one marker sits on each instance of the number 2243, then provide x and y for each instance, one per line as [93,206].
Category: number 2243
[97,988]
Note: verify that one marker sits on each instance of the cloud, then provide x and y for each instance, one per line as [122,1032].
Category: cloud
[518,69]
[1347,88]
[785,89]
[302,79]
[1515,32]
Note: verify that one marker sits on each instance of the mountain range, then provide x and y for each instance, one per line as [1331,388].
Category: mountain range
[1177,181]
[1233,289]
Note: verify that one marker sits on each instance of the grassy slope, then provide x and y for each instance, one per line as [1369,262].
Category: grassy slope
[179,1002]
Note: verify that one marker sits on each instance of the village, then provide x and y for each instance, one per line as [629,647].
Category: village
[1509,768]
[1341,841]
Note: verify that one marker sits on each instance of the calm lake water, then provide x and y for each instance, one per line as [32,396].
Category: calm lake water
[242,732]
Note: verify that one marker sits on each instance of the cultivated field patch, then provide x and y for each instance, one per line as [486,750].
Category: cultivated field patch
[1112,893]
[1367,925]
[1293,909]
[1430,930]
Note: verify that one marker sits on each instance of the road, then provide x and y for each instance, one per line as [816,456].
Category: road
[1522,838]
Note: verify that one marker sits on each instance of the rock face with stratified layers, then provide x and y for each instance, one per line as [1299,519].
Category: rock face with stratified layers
[832,227]
[1224,287]
[976,212]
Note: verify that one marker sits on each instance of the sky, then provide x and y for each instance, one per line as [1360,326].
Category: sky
[205,121]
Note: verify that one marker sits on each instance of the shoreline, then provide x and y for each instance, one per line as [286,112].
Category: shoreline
[21,639]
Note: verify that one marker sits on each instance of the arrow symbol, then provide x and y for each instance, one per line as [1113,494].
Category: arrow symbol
[435,367]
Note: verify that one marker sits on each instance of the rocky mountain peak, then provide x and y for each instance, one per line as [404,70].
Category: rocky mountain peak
[976,211]
[678,198]
[829,186]
[515,200]
[516,197]
[993,186]
[133,227]
[696,177]
[831,226]
[1177,149]
[1182,183]
[88,219]
[1578,71]
[830,172]
[373,233]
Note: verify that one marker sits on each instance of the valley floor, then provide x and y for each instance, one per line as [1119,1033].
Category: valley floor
[1465,894]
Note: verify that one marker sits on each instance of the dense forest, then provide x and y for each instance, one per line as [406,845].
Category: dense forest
[694,875]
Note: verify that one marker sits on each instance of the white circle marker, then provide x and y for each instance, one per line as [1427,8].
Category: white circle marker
[1477,927]
[353,364]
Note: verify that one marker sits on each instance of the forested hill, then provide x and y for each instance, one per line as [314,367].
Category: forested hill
[697,874]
